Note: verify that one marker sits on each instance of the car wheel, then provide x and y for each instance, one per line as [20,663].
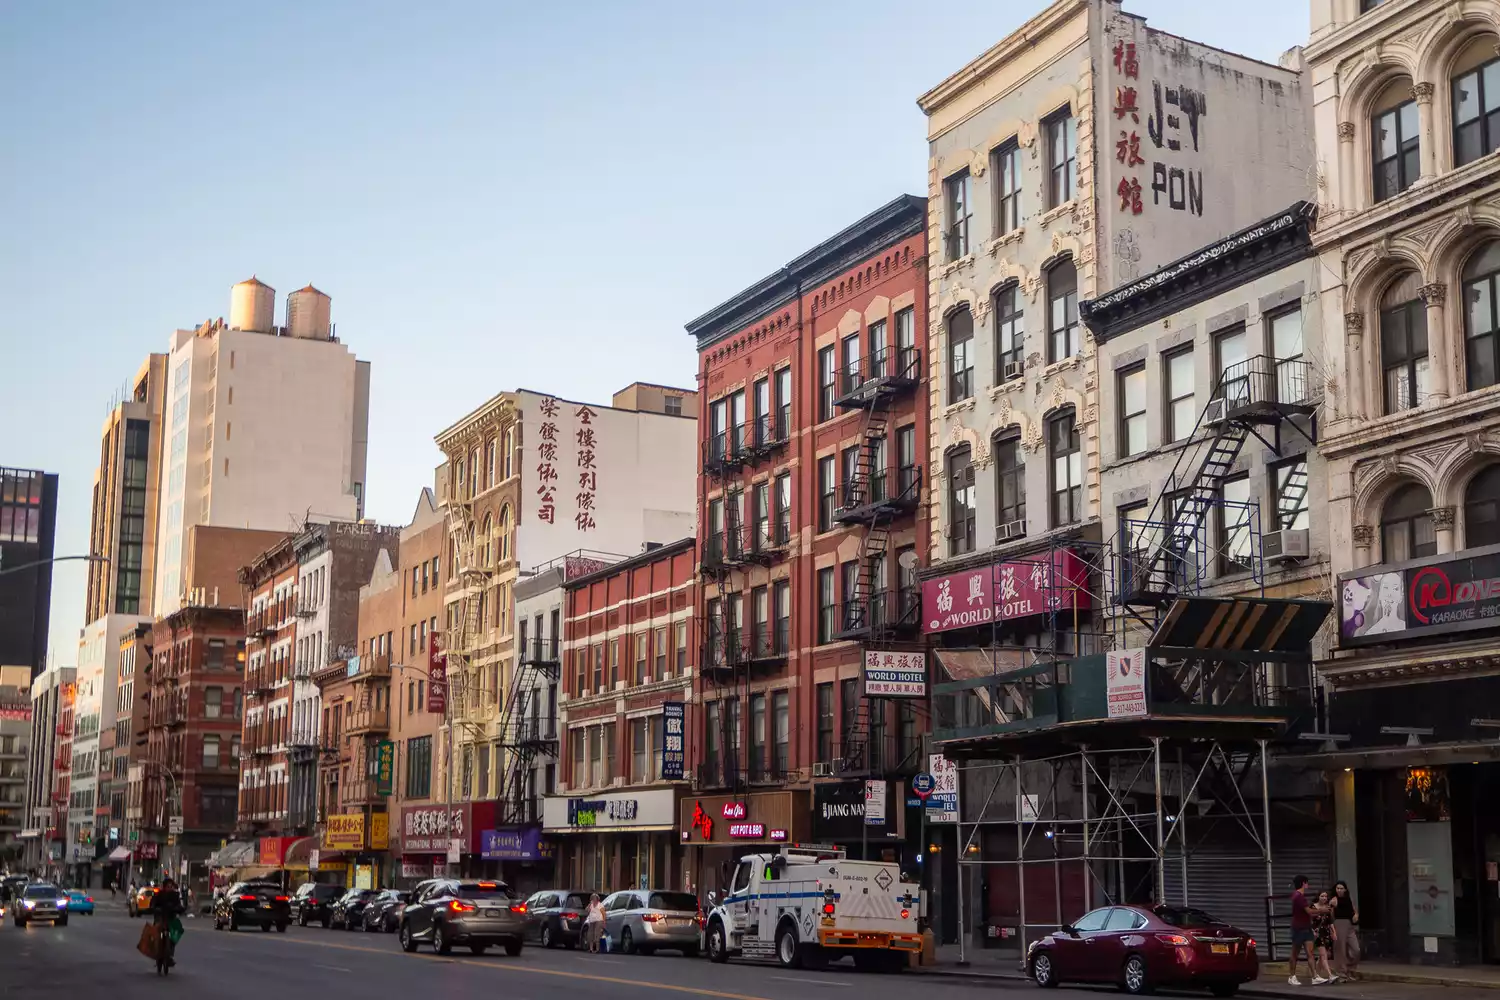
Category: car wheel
[479,949]
[787,951]
[327,922]
[301,920]
[1224,989]
[408,943]
[266,927]
[513,948]
[63,922]
[548,941]
[1042,971]
[718,945]
[234,923]
[627,942]
[1135,981]
[440,940]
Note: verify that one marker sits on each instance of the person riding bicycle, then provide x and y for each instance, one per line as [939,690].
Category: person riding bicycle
[166,904]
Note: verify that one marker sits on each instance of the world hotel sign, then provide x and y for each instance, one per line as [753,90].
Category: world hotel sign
[1018,588]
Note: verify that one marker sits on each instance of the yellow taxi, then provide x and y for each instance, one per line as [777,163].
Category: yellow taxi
[139,902]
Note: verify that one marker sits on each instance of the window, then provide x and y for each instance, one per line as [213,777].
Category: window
[760,621]
[1481,319]
[783,518]
[1406,530]
[849,589]
[880,359]
[827,378]
[827,487]
[1066,454]
[1290,482]
[783,403]
[781,599]
[1403,344]
[598,667]
[659,646]
[596,757]
[681,647]
[762,413]
[1062,158]
[850,361]
[849,466]
[827,606]
[419,767]
[906,340]
[580,757]
[962,502]
[640,751]
[1005,166]
[213,702]
[960,356]
[757,761]
[1365,6]
[713,736]
[825,722]
[849,711]
[1180,407]
[718,417]
[908,476]
[642,664]
[1010,334]
[489,464]
[672,406]
[1010,481]
[1482,509]
[1062,311]
[1395,138]
[210,753]
[781,734]
[1132,403]
[1234,526]
[1476,113]
[1286,345]
[1230,358]
[957,193]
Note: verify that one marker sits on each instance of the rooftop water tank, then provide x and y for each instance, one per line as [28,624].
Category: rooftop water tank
[307,314]
[252,306]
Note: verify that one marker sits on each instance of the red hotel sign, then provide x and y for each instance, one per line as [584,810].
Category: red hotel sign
[437,678]
[1018,588]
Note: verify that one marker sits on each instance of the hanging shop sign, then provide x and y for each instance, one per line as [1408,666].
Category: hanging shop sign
[385,767]
[892,673]
[673,751]
[380,831]
[767,817]
[437,678]
[840,808]
[942,801]
[1126,685]
[1431,597]
[344,832]
[1049,581]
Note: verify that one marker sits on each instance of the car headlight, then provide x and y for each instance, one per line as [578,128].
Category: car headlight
[29,904]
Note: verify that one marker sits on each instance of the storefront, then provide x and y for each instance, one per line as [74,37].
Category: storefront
[437,840]
[526,859]
[864,818]
[612,840]
[714,830]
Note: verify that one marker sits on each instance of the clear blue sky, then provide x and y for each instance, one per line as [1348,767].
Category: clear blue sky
[495,194]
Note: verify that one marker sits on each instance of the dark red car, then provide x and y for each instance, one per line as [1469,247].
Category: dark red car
[1140,949]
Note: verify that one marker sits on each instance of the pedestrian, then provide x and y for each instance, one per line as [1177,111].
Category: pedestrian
[593,924]
[1346,927]
[1324,936]
[1302,934]
[166,904]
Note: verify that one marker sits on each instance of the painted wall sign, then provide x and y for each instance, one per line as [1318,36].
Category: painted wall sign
[893,673]
[1015,589]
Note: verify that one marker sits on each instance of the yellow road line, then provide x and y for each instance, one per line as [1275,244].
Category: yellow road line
[699,991]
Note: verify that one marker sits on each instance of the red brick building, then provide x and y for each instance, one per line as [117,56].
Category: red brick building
[628,637]
[193,703]
[814,522]
[270,586]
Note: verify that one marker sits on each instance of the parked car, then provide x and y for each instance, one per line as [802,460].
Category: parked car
[41,901]
[140,900]
[555,917]
[348,912]
[383,913]
[641,921]
[313,903]
[80,902]
[448,912]
[1140,949]
[262,904]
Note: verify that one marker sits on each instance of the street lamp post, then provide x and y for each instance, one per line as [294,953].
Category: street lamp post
[7,570]
[175,796]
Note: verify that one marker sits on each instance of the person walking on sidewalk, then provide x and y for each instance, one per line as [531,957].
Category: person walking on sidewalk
[593,924]
[1302,934]
[1346,927]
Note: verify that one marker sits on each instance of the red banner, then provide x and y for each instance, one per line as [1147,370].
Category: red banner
[273,850]
[1019,588]
[437,678]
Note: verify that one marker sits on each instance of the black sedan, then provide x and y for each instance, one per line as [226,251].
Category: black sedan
[383,913]
[313,903]
[262,904]
[349,912]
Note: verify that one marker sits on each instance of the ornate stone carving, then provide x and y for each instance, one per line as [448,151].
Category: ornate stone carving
[1346,131]
[1363,534]
[1434,294]
[1354,324]
[1442,517]
[1032,442]
[1423,92]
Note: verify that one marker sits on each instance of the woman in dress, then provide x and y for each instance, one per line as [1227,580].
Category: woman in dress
[1325,937]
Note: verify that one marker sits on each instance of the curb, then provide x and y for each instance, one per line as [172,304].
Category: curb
[1252,989]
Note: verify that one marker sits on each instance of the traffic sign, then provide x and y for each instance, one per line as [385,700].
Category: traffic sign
[174,824]
[923,784]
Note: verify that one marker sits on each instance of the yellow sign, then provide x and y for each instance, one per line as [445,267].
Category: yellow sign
[380,831]
[344,832]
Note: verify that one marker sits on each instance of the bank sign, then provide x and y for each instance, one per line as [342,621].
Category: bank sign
[1019,588]
[1434,597]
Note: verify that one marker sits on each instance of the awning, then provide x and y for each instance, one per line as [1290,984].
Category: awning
[236,855]
[297,853]
[972,664]
[121,853]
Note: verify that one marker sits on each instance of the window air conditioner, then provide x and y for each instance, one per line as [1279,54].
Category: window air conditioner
[822,769]
[1010,530]
[1014,370]
[1285,545]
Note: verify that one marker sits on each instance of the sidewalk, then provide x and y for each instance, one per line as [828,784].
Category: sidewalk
[1380,980]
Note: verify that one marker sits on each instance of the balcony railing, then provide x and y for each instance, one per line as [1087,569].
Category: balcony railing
[768,433]
[762,543]
[541,652]
[367,720]
[878,613]
[534,733]
[883,375]
[879,495]
[361,792]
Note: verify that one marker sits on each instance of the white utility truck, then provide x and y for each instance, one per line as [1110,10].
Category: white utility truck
[807,905]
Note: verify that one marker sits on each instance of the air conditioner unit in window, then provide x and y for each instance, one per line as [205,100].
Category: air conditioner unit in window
[1011,529]
[822,769]
[839,765]
[1214,412]
[1285,545]
[1014,370]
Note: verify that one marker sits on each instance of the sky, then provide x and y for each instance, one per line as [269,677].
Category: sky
[495,194]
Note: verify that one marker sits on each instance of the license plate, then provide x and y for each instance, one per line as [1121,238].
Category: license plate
[491,913]
[265,906]
[1219,949]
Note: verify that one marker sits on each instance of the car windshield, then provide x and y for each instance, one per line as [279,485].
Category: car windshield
[483,890]
[577,900]
[1185,916]
[674,901]
[41,892]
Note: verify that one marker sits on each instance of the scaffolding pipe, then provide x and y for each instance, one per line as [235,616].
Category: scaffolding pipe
[1161,871]
[1020,861]
[1265,818]
[1088,869]
[1181,825]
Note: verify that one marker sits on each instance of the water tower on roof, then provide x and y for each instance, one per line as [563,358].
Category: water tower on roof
[252,306]
[307,314]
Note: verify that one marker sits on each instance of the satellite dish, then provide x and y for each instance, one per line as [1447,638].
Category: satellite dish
[908,559]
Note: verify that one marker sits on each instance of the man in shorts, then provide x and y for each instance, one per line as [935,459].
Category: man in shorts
[1302,934]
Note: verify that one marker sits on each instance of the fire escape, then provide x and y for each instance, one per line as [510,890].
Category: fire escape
[474,573]
[734,653]
[525,732]
[876,498]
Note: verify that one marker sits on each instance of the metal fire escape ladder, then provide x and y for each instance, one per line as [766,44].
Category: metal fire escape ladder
[869,486]
[460,648]
[525,734]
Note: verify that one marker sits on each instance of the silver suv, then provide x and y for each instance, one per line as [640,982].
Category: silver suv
[475,913]
[641,921]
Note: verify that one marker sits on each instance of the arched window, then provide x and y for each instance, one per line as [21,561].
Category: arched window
[1482,509]
[1065,450]
[486,540]
[960,355]
[1476,102]
[489,464]
[1403,343]
[1481,318]
[1406,525]
[1395,137]
[469,552]
[1063,339]
[1010,334]
[504,533]
[962,502]
[510,451]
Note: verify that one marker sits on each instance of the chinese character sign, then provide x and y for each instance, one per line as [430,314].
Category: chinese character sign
[674,730]
[895,673]
[1157,123]
[566,454]
[437,678]
[1018,589]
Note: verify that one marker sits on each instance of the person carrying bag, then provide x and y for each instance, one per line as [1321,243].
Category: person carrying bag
[166,906]
[593,923]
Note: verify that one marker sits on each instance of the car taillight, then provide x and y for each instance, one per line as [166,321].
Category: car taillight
[828,908]
[518,908]
[652,918]
[1250,943]
[279,899]
[1176,939]
[570,916]
[89,899]
[247,899]
[459,906]
[905,914]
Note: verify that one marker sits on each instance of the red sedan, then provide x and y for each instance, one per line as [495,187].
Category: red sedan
[1140,949]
